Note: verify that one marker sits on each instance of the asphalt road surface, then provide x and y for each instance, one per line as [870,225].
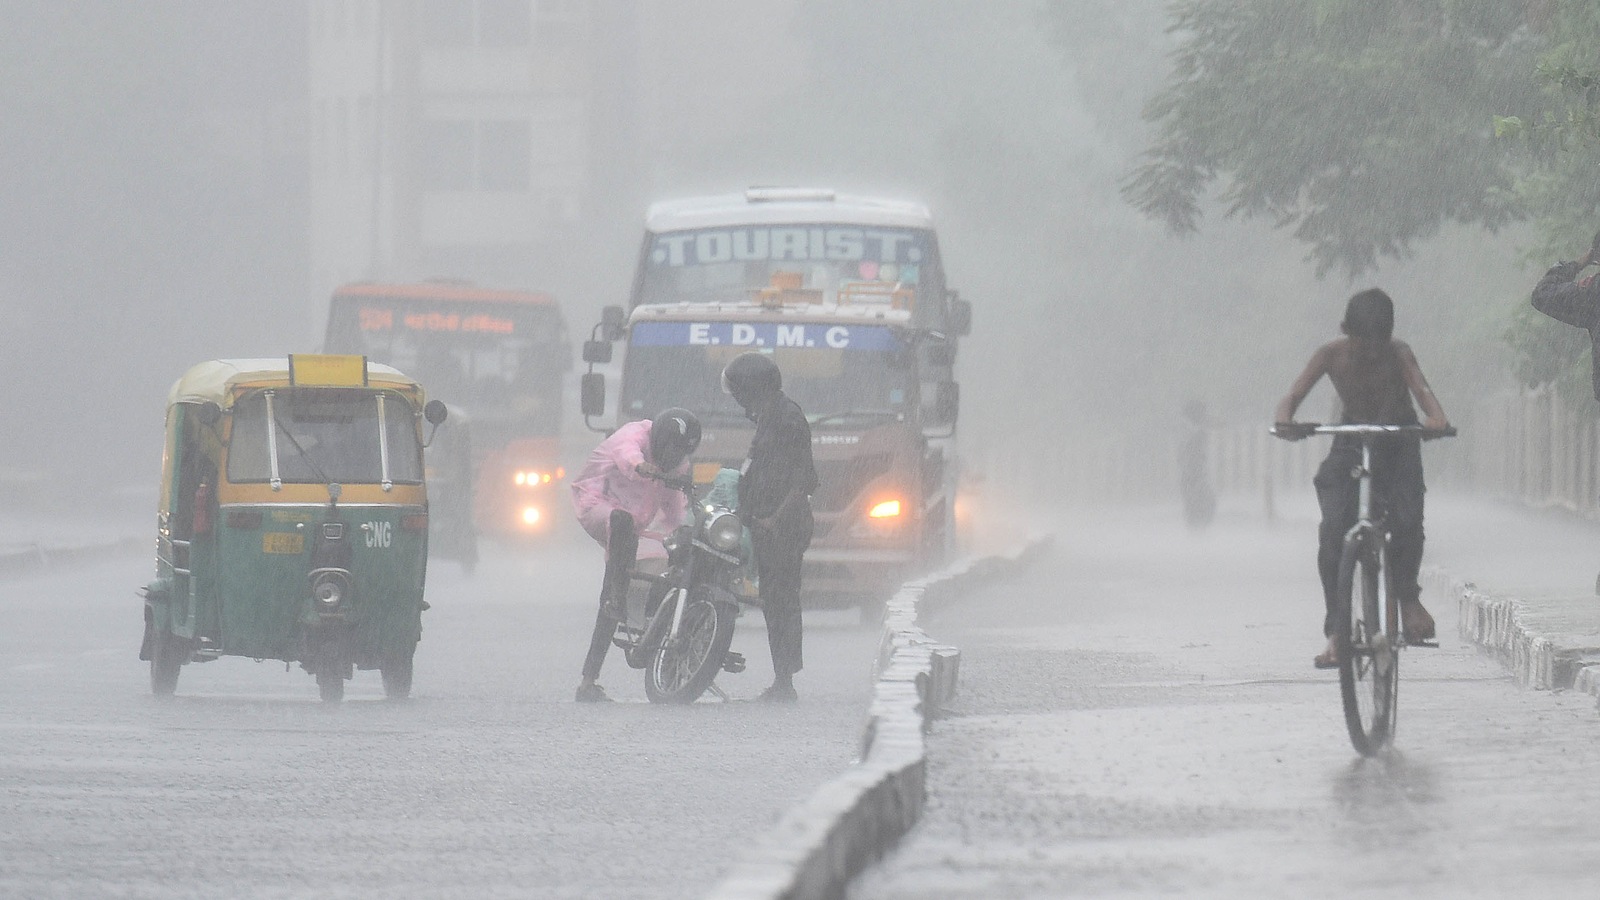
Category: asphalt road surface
[489,782]
[1139,717]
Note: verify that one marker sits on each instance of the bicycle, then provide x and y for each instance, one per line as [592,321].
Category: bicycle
[1370,633]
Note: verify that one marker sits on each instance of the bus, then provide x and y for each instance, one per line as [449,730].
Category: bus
[849,296]
[497,358]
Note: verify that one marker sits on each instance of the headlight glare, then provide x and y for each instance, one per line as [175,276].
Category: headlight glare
[888,509]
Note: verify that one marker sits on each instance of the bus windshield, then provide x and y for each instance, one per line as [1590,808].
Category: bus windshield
[502,362]
[823,264]
[842,376]
[324,435]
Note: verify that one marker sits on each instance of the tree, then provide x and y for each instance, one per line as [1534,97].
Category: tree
[1362,125]
[1560,127]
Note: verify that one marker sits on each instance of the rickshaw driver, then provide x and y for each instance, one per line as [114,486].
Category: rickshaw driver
[618,495]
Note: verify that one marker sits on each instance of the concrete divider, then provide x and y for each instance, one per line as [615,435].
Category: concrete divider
[818,846]
[1548,643]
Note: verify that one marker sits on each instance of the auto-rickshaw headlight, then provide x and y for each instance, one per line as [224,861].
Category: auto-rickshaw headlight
[725,532]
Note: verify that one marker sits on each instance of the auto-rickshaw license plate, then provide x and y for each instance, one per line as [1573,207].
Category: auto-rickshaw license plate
[282,542]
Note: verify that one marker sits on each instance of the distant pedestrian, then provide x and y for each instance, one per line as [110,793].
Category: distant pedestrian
[775,501]
[1194,466]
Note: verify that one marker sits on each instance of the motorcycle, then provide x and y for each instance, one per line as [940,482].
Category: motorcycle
[683,638]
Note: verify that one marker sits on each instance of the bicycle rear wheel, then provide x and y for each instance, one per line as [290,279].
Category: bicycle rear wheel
[1369,658]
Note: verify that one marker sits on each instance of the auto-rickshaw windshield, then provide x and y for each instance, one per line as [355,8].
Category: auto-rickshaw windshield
[324,435]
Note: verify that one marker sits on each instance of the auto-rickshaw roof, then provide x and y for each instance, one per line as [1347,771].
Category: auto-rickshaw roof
[219,380]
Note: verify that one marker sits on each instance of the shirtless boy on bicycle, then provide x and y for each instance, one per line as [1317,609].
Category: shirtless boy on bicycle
[1376,378]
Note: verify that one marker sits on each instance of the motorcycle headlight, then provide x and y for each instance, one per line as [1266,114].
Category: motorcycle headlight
[724,532]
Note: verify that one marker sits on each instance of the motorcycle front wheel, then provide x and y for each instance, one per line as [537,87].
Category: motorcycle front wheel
[681,668]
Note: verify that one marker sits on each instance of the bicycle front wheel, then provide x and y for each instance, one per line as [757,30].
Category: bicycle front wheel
[1369,658]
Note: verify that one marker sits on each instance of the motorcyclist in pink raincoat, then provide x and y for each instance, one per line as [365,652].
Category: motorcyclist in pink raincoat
[619,498]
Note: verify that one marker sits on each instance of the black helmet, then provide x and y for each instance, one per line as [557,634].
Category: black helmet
[751,376]
[674,434]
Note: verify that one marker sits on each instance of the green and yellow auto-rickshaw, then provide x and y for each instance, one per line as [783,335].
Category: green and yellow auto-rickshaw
[294,520]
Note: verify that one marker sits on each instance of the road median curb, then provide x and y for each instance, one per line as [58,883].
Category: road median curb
[1547,643]
[851,821]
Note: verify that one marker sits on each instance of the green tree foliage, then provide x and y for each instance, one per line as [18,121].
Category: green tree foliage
[1362,125]
[1560,185]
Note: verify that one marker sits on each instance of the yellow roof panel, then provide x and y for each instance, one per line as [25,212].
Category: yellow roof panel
[217,380]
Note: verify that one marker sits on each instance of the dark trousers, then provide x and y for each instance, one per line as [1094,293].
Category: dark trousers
[1397,492]
[778,559]
[622,550]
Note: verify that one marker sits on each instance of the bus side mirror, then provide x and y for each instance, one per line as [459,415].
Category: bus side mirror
[960,316]
[592,394]
[613,323]
[597,352]
[947,402]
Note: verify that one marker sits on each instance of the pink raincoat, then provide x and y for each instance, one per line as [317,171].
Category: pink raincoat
[608,481]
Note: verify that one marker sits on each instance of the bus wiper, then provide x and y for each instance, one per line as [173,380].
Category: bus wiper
[723,416]
[854,413]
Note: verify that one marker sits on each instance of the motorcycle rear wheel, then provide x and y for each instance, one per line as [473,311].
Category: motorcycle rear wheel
[680,670]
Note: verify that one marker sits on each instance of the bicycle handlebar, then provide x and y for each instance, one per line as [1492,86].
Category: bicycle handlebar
[1297,430]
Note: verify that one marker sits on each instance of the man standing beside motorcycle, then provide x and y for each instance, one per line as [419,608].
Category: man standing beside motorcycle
[618,496]
[775,502]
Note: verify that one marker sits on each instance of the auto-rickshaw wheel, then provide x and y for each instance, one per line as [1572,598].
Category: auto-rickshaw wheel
[330,680]
[396,671]
[166,661]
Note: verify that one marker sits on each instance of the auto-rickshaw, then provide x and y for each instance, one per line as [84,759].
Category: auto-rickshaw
[293,520]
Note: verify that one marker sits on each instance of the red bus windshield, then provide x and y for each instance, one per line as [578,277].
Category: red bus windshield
[500,361]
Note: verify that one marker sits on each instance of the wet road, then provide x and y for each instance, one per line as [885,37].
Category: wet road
[490,782]
[1139,717]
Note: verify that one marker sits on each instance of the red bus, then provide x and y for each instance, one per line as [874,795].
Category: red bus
[497,357]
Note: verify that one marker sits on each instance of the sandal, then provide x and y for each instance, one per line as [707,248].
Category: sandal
[1327,659]
[1416,621]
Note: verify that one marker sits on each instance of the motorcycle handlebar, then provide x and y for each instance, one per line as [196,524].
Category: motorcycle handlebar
[678,484]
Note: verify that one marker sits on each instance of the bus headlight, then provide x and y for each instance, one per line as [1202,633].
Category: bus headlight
[531,515]
[725,532]
[888,509]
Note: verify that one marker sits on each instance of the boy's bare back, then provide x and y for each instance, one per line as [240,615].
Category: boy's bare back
[1375,381]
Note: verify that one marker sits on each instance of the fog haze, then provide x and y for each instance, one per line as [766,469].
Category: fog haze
[157,170]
